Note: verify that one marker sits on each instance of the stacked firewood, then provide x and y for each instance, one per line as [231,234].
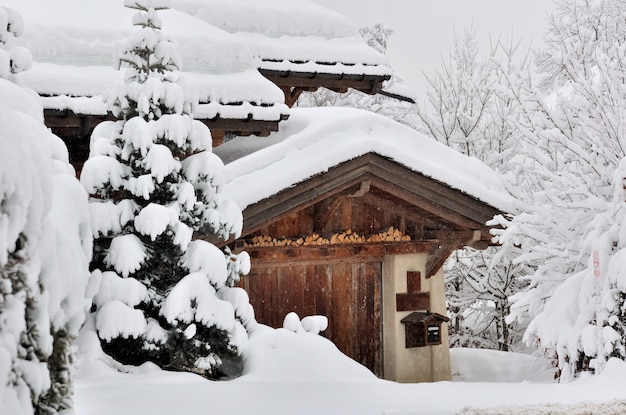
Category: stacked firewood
[390,235]
[347,237]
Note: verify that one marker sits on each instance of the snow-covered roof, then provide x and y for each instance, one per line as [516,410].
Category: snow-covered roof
[222,42]
[315,139]
[80,89]
[73,43]
[288,35]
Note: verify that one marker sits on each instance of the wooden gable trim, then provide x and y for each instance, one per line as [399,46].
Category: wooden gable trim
[413,188]
[461,206]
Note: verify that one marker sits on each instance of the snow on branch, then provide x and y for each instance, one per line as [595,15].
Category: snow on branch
[146,5]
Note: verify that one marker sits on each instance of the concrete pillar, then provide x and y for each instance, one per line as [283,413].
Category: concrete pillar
[417,364]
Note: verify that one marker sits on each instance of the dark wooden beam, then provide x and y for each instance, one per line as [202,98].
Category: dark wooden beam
[309,254]
[412,301]
[241,127]
[70,125]
[325,212]
[75,130]
[437,258]
[369,84]
[412,213]
[448,242]
[293,93]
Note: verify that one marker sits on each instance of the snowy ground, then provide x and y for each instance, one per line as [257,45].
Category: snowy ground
[291,373]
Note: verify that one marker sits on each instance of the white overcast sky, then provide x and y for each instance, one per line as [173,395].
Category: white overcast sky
[424,29]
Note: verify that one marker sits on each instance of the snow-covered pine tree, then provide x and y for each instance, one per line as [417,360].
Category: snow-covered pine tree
[154,181]
[45,246]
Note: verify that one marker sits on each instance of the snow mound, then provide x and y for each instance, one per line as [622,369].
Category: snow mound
[482,365]
[604,408]
[280,355]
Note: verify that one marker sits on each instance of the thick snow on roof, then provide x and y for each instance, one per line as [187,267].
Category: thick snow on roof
[316,139]
[73,43]
[85,32]
[273,18]
[284,34]
[215,36]
[80,89]
[222,41]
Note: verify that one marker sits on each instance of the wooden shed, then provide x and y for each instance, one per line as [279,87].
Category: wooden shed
[362,242]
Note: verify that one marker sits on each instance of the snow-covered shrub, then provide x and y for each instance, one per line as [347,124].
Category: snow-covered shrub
[45,247]
[154,182]
[13,59]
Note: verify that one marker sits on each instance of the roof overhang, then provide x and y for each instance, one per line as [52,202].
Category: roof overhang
[445,218]
[75,128]
[392,185]
[293,83]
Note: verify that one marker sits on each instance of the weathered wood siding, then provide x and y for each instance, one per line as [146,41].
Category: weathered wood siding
[348,293]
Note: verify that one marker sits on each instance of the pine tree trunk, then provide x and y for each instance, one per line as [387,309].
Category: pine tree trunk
[59,397]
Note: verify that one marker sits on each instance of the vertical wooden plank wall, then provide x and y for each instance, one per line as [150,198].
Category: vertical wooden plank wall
[348,293]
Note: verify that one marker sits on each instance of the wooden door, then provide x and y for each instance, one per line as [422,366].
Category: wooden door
[349,294]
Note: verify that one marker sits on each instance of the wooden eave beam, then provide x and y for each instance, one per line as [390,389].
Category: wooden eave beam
[72,126]
[241,127]
[80,125]
[369,84]
[437,258]
[321,254]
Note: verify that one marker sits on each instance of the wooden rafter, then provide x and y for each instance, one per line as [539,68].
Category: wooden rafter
[325,212]
[449,241]
[411,213]
[293,93]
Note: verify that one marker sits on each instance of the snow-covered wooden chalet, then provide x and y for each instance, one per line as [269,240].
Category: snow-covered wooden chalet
[346,213]
[247,61]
